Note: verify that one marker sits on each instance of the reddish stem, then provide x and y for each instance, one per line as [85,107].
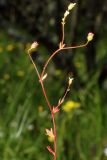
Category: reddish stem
[53,117]
[49,61]
[48,103]
[54,125]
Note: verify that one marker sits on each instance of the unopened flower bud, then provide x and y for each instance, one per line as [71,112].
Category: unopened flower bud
[90,36]
[66,14]
[33,47]
[62,19]
[44,77]
[70,81]
[71,5]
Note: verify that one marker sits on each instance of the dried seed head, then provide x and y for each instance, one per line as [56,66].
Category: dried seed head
[90,36]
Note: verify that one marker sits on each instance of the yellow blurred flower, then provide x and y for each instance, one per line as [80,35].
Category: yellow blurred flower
[10,47]
[6,77]
[1,49]
[78,64]
[58,72]
[70,105]
[40,109]
[20,73]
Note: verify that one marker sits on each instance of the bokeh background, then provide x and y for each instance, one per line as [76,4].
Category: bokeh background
[24,115]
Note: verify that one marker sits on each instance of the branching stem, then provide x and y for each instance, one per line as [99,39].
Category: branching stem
[41,76]
[43,88]
[57,51]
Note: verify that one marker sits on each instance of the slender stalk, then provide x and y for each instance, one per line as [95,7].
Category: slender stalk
[34,66]
[63,34]
[73,47]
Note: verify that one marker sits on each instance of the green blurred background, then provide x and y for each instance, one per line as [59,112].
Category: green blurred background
[24,115]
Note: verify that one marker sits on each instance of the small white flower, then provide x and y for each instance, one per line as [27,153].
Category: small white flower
[71,6]
[105,151]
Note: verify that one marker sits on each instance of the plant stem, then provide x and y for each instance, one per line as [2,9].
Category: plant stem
[46,64]
[54,125]
[62,34]
[53,116]
[48,103]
